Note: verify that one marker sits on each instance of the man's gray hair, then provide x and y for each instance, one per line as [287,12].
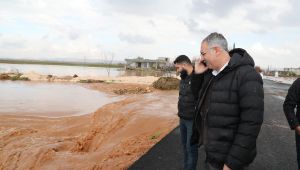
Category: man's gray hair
[216,39]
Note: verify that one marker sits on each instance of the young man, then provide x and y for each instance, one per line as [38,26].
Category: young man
[291,102]
[186,109]
[229,112]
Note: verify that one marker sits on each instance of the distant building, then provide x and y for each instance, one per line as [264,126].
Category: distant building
[295,70]
[142,63]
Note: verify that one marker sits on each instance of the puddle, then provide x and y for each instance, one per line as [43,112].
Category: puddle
[50,100]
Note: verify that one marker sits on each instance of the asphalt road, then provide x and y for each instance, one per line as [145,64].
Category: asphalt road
[276,142]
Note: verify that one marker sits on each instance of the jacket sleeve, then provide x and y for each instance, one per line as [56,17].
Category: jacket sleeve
[291,101]
[251,102]
[196,84]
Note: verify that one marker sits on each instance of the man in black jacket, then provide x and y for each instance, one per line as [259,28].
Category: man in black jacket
[229,111]
[291,102]
[186,109]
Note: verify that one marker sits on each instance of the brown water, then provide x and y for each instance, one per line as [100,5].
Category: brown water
[114,137]
[51,100]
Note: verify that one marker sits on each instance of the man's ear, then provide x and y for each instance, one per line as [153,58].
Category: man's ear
[218,50]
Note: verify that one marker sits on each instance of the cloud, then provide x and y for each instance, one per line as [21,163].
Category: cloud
[193,26]
[141,7]
[152,23]
[276,57]
[255,16]
[291,17]
[12,45]
[135,39]
[216,7]
[44,29]
[73,35]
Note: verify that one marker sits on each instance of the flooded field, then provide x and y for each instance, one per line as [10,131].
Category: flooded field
[113,136]
[49,99]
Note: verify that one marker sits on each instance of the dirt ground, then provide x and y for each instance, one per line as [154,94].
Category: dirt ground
[113,137]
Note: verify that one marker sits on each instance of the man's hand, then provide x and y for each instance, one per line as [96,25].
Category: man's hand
[225,167]
[200,67]
[297,129]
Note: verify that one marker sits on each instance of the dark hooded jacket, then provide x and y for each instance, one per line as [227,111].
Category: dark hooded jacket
[229,112]
[187,99]
[291,102]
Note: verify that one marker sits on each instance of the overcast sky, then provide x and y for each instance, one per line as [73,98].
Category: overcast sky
[62,29]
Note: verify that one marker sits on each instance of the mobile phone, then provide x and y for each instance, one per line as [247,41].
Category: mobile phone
[204,63]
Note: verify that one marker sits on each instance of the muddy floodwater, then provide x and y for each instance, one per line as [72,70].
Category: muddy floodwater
[49,99]
[117,131]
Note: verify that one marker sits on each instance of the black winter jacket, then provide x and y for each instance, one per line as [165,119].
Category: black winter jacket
[234,113]
[187,99]
[291,102]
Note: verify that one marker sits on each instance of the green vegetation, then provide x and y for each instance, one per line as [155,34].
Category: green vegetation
[40,62]
[155,135]
[288,74]
[91,81]
[110,81]
[13,77]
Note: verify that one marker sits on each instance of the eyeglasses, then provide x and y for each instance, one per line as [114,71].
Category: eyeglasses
[202,53]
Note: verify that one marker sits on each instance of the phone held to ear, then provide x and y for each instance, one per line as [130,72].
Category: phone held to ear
[204,63]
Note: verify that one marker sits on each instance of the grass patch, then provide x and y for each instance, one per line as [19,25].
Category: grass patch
[91,81]
[155,135]
[111,81]
[137,90]
[15,77]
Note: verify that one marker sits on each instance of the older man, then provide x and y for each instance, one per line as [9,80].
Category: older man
[229,112]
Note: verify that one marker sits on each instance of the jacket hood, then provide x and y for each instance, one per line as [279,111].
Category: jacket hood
[240,57]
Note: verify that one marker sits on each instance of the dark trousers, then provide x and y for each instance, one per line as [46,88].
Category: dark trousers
[209,166]
[298,148]
[190,152]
